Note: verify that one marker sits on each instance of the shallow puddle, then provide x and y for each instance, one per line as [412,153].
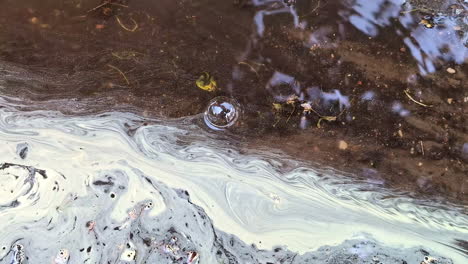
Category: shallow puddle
[244,131]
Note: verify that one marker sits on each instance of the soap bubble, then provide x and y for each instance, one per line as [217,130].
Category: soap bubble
[221,113]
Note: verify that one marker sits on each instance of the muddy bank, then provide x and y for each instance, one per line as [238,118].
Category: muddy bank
[377,89]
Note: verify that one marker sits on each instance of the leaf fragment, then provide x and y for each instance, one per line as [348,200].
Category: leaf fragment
[206,82]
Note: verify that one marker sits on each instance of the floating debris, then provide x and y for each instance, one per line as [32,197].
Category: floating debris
[342,145]
[427,23]
[277,107]
[451,70]
[133,29]
[292,100]
[206,82]
[120,72]
[126,55]
[412,99]
[22,150]
[18,254]
[307,107]
[104,7]
[90,225]
[400,133]
[34,20]
[326,118]
[173,249]
[250,66]
[192,257]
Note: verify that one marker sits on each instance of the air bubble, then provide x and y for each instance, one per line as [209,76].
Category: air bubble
[222,112]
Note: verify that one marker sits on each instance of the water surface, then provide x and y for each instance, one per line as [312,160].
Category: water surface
[349,141]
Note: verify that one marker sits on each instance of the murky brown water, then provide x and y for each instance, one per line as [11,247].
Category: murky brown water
[377,88]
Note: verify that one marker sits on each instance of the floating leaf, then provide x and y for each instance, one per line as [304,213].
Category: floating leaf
[206,82]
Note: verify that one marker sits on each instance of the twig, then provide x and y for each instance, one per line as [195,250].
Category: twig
[117,4]
[120,72]
[422,10]
[412,99]
[99,6]
[409,11]
[422,147]
[277,121]
[135,26]
[107,2]
[327,118]
[250,66]
[125,55]
[292,112]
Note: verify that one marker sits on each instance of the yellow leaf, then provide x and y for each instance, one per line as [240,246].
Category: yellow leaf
[206,82]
